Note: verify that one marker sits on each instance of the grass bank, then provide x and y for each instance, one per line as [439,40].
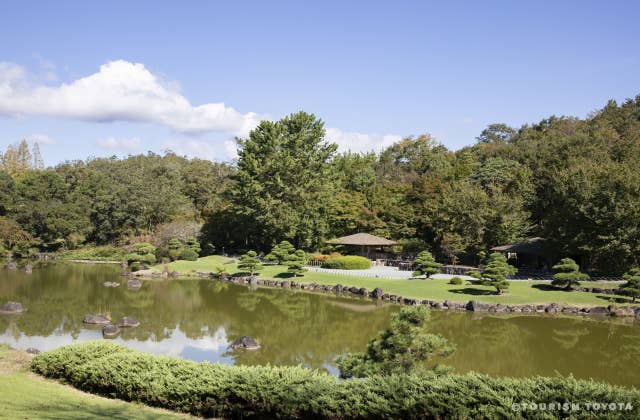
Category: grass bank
[520,292]
[24,395]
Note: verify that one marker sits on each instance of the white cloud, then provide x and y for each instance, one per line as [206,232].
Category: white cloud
[201,149]
[48,68]
[360,142]
[125,91]
[112,143]
[212,150]
[119,91]
[41,139]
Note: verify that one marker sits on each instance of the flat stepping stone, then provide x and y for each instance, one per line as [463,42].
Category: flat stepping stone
[127,322]
[110,331]
[12,308]
[111,284]
[96,319]
[245,343]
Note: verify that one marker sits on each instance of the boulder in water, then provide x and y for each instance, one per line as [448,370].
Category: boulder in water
[246,343]
[12,308]
[110,331]
[12,265]
[96,319]
[28,269]
[32,350]
[134,284]
[128,322]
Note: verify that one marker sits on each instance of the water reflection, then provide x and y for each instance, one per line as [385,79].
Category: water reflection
[530,345]
[197,319]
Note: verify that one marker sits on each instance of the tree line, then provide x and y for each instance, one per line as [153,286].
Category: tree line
[573,181]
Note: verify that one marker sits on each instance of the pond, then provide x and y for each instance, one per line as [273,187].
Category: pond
[197,319]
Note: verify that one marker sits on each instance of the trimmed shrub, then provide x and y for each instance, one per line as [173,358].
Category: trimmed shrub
[350,262]
[214,390]
[147,259]
[456,280]
[324,257]
[188,254]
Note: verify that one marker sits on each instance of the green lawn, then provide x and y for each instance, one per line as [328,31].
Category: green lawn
[24,395]
[520,292]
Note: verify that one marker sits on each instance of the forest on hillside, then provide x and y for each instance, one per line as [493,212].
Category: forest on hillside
[575,182]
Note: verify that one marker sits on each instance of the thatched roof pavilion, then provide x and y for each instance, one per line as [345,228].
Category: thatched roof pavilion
[364,240]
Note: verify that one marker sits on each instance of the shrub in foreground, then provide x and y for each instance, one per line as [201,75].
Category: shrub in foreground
[349,262]
[216,390]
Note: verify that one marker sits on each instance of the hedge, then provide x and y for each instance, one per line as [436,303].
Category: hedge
[215,390]
[350,262]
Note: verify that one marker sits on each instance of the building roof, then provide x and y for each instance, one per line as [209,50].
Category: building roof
[533,246]
[361,239]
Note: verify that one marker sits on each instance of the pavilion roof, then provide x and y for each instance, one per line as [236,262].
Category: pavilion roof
[534,246]
[363,239]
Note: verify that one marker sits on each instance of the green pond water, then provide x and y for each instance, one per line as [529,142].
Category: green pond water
[197,319]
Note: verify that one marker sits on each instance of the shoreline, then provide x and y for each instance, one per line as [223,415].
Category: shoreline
[93,261]
[553,308]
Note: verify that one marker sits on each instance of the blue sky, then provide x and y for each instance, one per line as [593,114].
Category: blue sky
[97,79]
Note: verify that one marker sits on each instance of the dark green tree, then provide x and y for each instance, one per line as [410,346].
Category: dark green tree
[250,262]
[567,274]
[193,245]
[632,285]
[452,245]
[175,248]
[7,192]
[142,252]
[425,265]
[496,133]
[495,273]
[295,263]
[405,347]
[281,253]
[285,181]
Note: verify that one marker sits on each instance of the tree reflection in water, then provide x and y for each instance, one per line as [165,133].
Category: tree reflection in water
[198,318]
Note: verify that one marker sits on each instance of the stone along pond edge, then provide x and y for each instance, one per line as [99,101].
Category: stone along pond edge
[632,311]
